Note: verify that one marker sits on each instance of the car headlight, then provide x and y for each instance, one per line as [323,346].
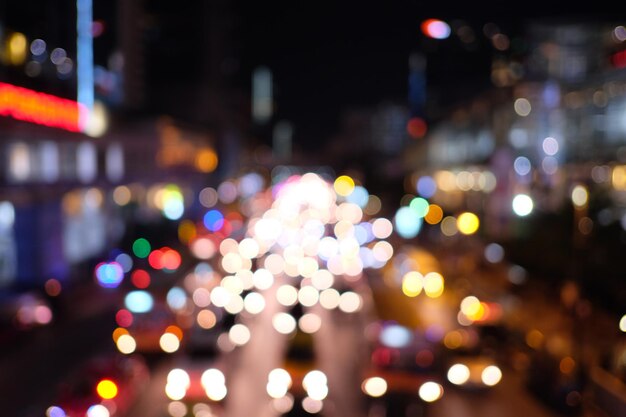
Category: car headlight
[458,374]
[491,375]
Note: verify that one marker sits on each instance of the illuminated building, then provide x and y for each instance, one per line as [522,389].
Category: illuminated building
[541,135]
[56,183]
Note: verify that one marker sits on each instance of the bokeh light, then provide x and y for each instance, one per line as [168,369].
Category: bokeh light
[169,342]
[494,253]
[139,301]
[434,214]
[141,248]
[430,391]
[344,185]
[109,275]
[491,375]
[522,107]
[126,344]
[407,222]
[420,206]
[458,374]
[467,223]
[213,220]
[124,318]
[54,411]
[374,386]
[412,284]
[284,323]
[239,334]
[522,205]
[426,186]
[580,196]
[310,323]
[53,287]
[433,284]
[106,389]
[98,410]
[436,29]
[395,336]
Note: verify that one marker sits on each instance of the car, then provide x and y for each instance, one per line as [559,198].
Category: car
[474,372]
[152,332]
[106,385]
[298,384]
[195,385]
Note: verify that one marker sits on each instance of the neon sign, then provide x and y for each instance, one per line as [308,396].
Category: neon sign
[43,109]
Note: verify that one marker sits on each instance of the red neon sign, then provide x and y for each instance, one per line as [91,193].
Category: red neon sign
[43,109]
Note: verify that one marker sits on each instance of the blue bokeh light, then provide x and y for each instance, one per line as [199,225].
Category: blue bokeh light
[213,220]
[395,336]
[109,275]
[359,196]
[426,187]
[407,222]
[139,301]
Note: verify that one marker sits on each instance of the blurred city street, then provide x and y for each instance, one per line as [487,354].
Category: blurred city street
[223,209]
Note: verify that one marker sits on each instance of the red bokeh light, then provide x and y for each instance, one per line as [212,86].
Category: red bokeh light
[416,127]
[140,278]
[124,318]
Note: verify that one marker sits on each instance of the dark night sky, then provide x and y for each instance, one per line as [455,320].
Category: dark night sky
[326,56]
[330,57]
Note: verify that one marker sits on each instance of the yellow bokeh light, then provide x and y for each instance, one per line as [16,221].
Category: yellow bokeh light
[412,284]
[186,231]
[480,312]
[618,177]
[206,160]
[470,305]
[434,214]
[106,389]
[16,48]
[467,223]
[433,284]
[344,185]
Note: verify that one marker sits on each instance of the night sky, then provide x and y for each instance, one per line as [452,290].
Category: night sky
[327,58]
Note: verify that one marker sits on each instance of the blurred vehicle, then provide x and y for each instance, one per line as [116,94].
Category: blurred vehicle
[473,356]
[152,331]
[195,386]
[20,313]
[474,372]
[403,358]
[104,386]
[402,373]
[25,311]
[298,385]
